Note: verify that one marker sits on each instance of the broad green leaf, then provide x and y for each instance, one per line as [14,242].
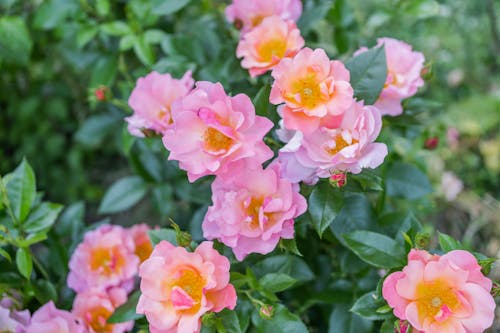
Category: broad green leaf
[127,42]
[44,291]
[52,13]
[15,41]
[285,264]
[368,74]
[95,129]
[376,249]
[276,282]
[103,7]
[42,217]
[230,321]
[407,181]
[324,205]
[283,321]
[387,326]
[368,180]
[116,28]
[144,51]
[85,35]
[154,36]
[5,254]
[126,312]
[104,72]
[312,14]
[262,105]
[367,305]
[166,7]
[123,194]
[448,243]
[24,262]
[158,235]
[21,190]
[71,220]
[344,321]
[31,239]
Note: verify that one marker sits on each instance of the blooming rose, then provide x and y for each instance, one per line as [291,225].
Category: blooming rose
[441,293]
[252,209]
[211,130]
[346,146]
[263,47]
[403,75]
[312,88]
[178,287]
[151,100]
[105,258]
[49,319]
[12,320]
[93,307]
[143,246]
[252,13]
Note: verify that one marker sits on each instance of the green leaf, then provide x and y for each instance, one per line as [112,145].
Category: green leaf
[44,291]
[42,217]
[116,28]
[104,72]
[144,51]
[126,312]
[24,262]
[285,264]
[368,304]
[123,194]
[166,7]
[71,221]
[283,321]
[262,105]
[32,239]
[158,235]
[324,205]
[102,7]
[368,180]
[85,35]
[388,326]
[448,243]
[15,41]
[154,36]
[376,249]
[230,321]
[52,13]
[344,321]
[5,254]
[368,74]
[276,282]
[127,42]
[407,181]
[290,246]
[95,129]
[21,190]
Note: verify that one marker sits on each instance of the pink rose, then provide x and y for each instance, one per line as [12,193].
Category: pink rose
[264,46]
[152,99]
[104,259]
[347,146]
[178,287]
[212,130]
[252,209]
[93,307]
[441,293]
[252,13]
[49,319]
[143,246]
[403,75]
[12,320]
[313,89]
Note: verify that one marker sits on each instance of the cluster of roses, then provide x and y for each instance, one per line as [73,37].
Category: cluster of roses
[103,269]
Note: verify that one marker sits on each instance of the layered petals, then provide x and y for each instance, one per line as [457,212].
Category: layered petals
[49,319]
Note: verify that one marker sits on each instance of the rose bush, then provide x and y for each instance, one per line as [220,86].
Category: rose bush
[282,150]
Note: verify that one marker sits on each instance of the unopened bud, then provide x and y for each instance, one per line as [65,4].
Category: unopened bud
[431,143]
[402,327]
[422,240]
[266,311]
[338,180]
[238,24]
[100,93]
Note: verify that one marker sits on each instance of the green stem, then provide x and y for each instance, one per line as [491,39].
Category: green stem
[6,202]
[254,300]
[40,267]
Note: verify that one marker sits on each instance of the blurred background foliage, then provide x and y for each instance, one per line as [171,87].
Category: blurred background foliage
[55,54]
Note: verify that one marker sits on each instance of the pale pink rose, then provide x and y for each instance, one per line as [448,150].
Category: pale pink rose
[313,89]
[152,99]
[178,287]
[450,186]
[93,308]
[105,258]
[49,319]
[264,46]
[403,75]
[251,13]
[12,320]
[212,130]
[253,208]
[441,293]
[347,146]
[143,246]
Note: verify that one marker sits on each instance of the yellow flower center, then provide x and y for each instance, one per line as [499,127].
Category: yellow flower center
[256,20]
[306,92]
[97,317]
[107,260]
[272,48]
[253,211]
[192,283]
[340,143]
[216,141]
[433,296]
[143,250]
